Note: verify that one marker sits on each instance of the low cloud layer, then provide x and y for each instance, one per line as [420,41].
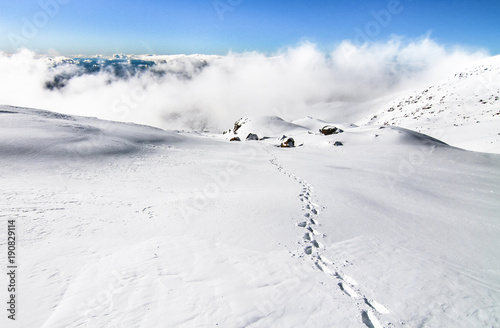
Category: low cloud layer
[209,92]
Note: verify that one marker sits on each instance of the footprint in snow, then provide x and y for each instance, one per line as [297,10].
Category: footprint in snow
[370,320]
[348,290]
[314,232]
[322,267]
[349,280]
[377,306]
[324,260]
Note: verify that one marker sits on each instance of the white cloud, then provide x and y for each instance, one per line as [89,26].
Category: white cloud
[195,96]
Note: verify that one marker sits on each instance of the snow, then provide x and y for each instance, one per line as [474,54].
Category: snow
[463,110]
[43,133]
[122,225]
[263,126]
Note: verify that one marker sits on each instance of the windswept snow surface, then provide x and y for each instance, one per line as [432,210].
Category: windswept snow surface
[463,110]
[392,229]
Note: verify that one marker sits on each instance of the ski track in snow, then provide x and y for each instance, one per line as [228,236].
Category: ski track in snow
[370,310]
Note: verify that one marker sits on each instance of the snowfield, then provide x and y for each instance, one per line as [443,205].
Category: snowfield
[122,225]
[463,110]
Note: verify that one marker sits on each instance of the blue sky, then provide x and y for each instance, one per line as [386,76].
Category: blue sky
[90,27]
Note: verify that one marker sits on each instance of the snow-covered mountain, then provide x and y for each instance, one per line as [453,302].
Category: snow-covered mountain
[464,110]
[121,225]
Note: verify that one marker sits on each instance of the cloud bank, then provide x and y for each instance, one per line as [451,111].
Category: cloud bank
[211,92]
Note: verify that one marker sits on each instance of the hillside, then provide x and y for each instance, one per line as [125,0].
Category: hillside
[392,228]
[463,110]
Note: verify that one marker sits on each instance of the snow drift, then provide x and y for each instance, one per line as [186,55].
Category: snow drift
[393,229]
[40,133]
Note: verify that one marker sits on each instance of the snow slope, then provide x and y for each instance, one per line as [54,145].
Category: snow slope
[43,133]
[463,110]
[392,229]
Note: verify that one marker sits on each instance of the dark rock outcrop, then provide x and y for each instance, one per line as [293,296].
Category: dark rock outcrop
[330,129]
[287,142]
[252,136]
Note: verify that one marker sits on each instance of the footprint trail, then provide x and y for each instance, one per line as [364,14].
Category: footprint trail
[370,311]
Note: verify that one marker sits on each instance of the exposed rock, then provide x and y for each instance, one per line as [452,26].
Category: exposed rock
[252,136]
[238,125]
[235,139]
[287,142]
[338,143]
[330,129]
